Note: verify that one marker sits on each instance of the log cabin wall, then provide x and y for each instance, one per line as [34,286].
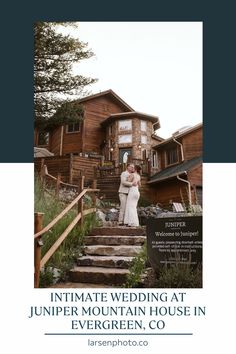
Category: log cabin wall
[96,111]
[72,141]
[55,165]
[192,147]
[83,166]
[170,191]
[70,167]
[55,141]
[195,178]
[192,144]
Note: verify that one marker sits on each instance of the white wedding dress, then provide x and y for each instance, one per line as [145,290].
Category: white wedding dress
[131,214]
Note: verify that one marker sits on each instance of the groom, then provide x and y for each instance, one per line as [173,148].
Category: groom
[124,190]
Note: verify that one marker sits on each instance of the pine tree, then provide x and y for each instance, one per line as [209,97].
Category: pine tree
[54,83]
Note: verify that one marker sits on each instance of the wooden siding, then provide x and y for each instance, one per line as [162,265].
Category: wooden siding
[55,165]
[192,144]
[195,176]
[192,147]
[55,141]
[170,191]
[72,142]
[83,166]
[70,167]
[96,111]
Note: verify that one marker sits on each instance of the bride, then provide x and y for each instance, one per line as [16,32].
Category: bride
[131,214]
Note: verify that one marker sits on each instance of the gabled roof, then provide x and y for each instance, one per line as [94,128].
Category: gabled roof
[110,93]
[179,135]
[125,115]
[173,171]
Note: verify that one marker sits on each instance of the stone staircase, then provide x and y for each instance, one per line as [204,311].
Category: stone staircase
[108,254]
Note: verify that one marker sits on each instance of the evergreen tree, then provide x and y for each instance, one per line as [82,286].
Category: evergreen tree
[54,83]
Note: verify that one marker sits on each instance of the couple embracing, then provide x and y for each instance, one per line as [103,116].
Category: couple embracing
[129,195]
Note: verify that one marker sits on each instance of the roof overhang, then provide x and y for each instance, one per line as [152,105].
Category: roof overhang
[127,115]
[110,93]
[167,178]
[177,170]
[176,136]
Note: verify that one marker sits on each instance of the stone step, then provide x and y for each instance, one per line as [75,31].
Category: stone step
[118,230]
[99,275]
[78,285]
[101,250]
[105,261]
[114,240]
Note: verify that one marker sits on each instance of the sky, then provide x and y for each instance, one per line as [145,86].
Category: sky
[155,67]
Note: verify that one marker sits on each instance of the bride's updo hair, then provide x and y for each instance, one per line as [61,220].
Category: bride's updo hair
[138,169]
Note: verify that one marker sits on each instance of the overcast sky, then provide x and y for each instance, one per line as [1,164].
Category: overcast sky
[156,67]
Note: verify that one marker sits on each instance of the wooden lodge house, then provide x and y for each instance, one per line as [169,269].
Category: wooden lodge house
[111,134]
[179,178]
[110,129]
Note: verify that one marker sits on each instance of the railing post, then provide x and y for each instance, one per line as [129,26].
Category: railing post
[149,167]
[42,172]
[81,201]
[71,169]
[94,197]
[58,183]
[38,225]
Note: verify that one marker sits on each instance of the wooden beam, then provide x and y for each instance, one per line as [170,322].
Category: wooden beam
[61,140]
[60,216]
[59,241]
[38,225]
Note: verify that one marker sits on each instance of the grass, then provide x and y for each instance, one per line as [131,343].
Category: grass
[65,256]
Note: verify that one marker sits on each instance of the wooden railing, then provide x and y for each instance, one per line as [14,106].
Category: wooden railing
[111,169]
[39,230]
[45,176]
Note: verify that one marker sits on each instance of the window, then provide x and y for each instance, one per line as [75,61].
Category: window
[143,139]
[43,138]
[154,159]
[110,130]
[171,156]
[122,139]
[144,154]
[143,126]
[73,127]
[125,124]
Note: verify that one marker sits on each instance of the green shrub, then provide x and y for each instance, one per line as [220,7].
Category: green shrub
[180,276]
[136,269]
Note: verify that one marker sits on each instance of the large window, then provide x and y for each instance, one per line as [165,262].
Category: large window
[123,139]
[143,126]
[73,128]
[172,156]
[43,138]
[125,124]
